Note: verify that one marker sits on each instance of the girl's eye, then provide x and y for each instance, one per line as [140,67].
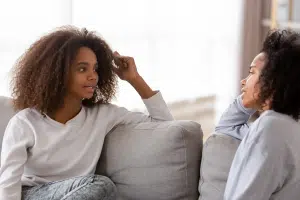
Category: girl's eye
[81,69]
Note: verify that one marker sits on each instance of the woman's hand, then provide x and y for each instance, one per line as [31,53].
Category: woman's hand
[126,70]
[125,67]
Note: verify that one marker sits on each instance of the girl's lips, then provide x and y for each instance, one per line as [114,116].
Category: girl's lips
[90,89]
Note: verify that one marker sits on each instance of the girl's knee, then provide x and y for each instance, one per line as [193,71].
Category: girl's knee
[106,183]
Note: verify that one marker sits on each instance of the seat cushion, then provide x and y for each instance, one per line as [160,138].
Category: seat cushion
[154,160]
[6,113]
[217,156]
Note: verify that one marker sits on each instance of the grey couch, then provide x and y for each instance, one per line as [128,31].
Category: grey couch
[217,156]
[147,161]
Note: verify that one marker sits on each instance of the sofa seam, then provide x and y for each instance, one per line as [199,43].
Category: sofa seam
[201,170]
[186,162]
[203,158]
[185,145]
[172,125]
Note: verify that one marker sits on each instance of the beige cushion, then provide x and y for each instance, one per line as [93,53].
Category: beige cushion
[154,160]
[217,156]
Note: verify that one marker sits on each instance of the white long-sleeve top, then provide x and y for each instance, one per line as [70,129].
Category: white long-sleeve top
[38,150]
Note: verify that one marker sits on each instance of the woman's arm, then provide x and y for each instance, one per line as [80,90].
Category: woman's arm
[16,141]
[142,88]
[233,121]
[257,170]
[126,70]
[156,106]
[153,100]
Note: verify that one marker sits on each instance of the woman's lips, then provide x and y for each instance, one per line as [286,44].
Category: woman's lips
[90,89]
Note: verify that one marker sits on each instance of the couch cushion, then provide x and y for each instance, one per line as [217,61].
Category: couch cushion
[6,113]
[217,156]
[154,160]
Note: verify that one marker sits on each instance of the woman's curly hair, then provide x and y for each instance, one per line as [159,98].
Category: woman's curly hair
[41,74]
[280,78]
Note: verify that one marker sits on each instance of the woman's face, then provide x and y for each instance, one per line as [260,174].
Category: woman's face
[83,76]
[250,85]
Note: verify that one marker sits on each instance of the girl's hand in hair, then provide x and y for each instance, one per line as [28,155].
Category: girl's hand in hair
[125,67]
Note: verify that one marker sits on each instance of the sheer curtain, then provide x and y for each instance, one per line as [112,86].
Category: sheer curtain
[171,41]
[185,48]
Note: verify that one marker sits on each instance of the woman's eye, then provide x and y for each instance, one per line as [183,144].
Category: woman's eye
[81,69]
[96,68]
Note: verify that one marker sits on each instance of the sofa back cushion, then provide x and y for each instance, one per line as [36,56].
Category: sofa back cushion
[217,156]
[155,160]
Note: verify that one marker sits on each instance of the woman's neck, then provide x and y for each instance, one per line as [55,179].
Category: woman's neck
[69,110]
[266,106]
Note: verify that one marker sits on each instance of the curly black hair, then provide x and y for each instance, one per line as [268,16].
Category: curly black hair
[40,75]
[280,78]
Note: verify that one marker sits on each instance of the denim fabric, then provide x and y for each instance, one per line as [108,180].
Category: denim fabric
[93,187]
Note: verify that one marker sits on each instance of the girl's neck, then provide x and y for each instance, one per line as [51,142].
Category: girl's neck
[69,110]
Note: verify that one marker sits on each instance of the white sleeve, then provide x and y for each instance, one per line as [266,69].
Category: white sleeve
[156,106]
[16,140]
[257,170]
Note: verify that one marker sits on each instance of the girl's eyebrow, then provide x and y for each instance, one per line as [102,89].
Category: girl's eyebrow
[85,63]
[82,63]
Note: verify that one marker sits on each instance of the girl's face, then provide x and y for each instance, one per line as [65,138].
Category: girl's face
[83,76]
[250,85]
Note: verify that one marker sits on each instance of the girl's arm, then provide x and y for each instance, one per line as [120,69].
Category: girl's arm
[16,140]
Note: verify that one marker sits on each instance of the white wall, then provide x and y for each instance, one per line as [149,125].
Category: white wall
[23,22]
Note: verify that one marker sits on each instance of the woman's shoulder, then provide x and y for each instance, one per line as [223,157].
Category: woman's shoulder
[27,115]
[274,119]
[273,125]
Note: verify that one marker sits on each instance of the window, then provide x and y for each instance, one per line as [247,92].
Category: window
[280,14]
[259,18]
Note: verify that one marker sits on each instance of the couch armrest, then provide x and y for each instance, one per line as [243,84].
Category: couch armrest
[156,160]
[218,153]
[6,113]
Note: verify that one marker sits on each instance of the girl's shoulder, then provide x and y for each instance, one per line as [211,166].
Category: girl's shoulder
[105,107]
[28,115]
[104,110]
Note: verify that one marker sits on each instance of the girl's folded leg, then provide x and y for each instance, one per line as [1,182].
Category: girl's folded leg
[92,187]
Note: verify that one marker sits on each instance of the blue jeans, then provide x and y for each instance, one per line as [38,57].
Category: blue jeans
[93,187]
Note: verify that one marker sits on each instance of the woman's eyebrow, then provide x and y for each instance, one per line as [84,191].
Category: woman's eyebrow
[82,63]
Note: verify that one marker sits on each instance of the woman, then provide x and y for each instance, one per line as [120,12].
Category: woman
[63,85]
[267,162]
